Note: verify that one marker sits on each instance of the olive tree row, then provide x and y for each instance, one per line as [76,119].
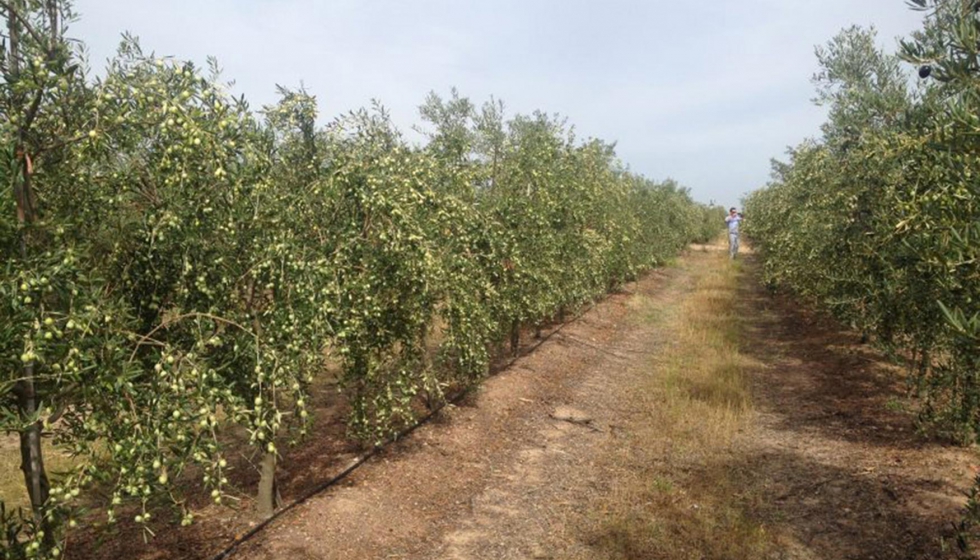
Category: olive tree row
[879,219]
[178,269]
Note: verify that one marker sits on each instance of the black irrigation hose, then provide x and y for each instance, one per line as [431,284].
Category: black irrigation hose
[230,549]
[239,540]
[612,352]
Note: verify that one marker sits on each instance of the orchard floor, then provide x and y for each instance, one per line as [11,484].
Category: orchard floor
[826,458]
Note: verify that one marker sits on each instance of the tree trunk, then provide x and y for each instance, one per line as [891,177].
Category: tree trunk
[55,31]
[515,337]
[268,495]
[31,459]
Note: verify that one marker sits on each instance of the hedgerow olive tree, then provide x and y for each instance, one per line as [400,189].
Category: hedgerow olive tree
[383,267]
[56,315]
[853,221]
[878,221]
[568,218]
[149,290]
[467,242]
[943,207]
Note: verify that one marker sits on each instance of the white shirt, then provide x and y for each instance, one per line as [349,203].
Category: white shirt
[733,222]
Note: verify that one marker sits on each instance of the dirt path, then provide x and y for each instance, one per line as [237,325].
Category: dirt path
[495,477]
[516,472]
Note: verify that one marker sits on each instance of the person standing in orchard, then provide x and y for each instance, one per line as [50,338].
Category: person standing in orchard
[733,219]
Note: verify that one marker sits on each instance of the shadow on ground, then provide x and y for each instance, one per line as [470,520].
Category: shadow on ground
[844,473]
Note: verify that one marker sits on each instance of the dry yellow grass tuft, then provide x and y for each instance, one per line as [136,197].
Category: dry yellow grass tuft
[13,492]
[675,495]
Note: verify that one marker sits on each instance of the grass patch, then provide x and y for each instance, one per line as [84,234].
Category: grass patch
[895,404]
[676,494]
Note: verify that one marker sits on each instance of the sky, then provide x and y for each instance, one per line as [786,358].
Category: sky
[704,92]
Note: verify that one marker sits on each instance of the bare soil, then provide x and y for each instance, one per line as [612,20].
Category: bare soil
[836,447]
[513,471]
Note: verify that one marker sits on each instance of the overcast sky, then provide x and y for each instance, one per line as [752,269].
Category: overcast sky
[704,91]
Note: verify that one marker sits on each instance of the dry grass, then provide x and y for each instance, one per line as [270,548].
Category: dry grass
[674,494]
[13,493]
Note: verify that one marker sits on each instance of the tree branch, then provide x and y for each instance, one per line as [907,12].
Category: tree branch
[27,25]
[62,143]
[167,322]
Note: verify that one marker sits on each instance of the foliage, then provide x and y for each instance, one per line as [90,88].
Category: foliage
[177,271]
[879,220]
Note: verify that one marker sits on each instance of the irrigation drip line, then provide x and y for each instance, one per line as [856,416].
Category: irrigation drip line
[323,486]
[612,352]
